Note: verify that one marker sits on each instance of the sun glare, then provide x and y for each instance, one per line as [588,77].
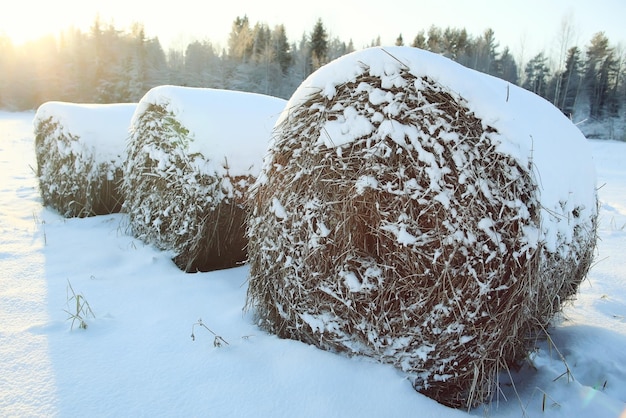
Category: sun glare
[31,20]
[21,26]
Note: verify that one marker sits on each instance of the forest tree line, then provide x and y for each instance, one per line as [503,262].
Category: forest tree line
[109,65]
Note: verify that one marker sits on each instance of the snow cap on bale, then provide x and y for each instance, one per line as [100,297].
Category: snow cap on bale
[80,150]
[421,213]
[193,153]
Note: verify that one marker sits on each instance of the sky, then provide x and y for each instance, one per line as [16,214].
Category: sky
[527,27]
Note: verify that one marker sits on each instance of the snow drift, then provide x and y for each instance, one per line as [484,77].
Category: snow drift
[192,156]
[80,150]
[420,213]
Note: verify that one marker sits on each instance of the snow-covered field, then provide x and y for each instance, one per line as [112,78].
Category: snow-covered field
[137,357]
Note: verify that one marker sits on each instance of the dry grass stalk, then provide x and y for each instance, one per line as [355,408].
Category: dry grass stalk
[413,253]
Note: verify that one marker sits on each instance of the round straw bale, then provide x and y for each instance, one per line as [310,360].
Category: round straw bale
[80,150]
[193,154]
[420,213]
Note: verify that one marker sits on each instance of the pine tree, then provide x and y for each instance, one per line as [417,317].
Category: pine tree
[76,54]
[281,47]
[376,42]
[570,81]
[302,58]
[319,45]
[564,38]
[455,45]
[434,42]
[240,40]
[505,67]
[138,65]
[350,47]
[486,55]
[419,41]
[261,43]
[536,75]
[199,61]
[600,72]
[176,67]
[157,73]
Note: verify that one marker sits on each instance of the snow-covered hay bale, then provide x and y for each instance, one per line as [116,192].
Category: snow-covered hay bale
[420,213]
[192,155]
[80,150]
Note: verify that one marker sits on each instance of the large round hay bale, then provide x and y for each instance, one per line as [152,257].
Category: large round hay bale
[192,155]
[80,150]
[420,213]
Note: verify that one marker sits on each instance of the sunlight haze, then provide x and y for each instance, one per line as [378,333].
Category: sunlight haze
[526,27]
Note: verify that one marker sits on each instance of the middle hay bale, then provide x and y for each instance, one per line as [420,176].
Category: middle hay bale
[415,211]
[193,153]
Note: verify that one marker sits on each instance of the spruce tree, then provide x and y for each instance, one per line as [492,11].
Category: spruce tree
[596,78]
[420,40]
[571,79]
[505,67]
[282,51]
[319,45]
[537,75]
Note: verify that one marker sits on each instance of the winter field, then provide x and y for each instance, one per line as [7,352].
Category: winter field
[137,358]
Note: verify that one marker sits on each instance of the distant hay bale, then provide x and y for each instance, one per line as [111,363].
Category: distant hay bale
[414,211]
[80,149]
[192,155]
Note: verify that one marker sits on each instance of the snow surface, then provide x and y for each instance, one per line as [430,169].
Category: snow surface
[101,130]
[136,358]
[206,112]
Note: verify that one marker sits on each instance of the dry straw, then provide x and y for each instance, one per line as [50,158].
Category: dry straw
[79,151]
[183,192]
[416,254]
